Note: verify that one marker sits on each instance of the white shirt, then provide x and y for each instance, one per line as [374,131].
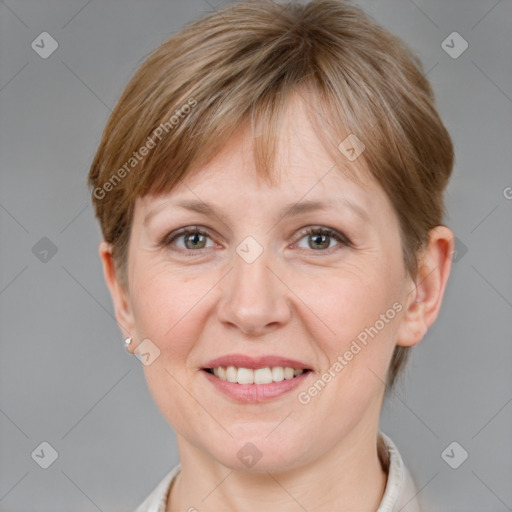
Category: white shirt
[400,493]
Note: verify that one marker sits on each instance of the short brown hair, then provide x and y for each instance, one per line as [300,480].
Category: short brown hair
[240,65]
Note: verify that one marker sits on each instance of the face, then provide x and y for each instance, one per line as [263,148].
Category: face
[259,279]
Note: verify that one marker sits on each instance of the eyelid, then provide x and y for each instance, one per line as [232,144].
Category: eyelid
[333,233]
[169,238]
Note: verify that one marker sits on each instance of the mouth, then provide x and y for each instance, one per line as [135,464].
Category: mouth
[255,377]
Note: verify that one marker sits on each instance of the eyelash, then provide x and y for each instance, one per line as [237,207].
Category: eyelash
[343,241]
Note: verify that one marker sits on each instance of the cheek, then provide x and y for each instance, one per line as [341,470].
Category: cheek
[354,303]
[363,311]
[166,310]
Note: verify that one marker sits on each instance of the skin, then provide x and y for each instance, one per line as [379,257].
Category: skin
[295,300]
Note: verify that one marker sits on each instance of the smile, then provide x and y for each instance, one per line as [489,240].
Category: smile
[265,375]
[248,385]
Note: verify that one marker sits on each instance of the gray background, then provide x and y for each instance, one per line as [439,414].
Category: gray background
[64,375]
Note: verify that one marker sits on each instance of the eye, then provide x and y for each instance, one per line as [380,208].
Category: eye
[193,239]
[319,239]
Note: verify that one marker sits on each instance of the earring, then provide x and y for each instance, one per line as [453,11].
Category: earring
[127,342]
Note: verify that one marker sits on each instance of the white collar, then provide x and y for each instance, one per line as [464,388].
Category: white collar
[399,495]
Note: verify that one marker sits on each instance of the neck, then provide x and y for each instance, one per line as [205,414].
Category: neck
[348,477]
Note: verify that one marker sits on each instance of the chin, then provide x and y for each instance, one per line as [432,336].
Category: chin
[263,463]
[257,452]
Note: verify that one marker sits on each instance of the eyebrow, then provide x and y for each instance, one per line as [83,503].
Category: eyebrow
[290,210]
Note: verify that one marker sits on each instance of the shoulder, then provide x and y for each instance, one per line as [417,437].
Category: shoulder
[157,500]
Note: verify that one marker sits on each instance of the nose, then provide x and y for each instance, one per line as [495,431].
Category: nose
[254,299]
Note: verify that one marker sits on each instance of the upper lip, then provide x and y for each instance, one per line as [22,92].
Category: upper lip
[244,361]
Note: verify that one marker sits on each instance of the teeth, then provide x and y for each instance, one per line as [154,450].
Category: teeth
[244,376]
[277,373]
[288,373]
[231,374]
[258,376]
[221,372]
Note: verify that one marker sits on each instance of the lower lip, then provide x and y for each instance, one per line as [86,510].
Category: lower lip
[256,393]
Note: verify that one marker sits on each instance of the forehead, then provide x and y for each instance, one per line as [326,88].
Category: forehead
[303,169]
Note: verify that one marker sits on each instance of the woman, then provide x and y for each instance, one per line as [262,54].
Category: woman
[270,193]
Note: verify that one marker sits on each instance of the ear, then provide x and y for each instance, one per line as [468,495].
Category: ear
[120,297]
[423,302]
